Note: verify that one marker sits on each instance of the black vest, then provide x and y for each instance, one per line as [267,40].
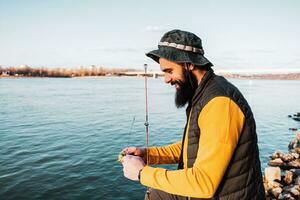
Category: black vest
[242,179]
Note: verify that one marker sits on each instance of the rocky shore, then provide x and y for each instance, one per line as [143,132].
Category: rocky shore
[282,177]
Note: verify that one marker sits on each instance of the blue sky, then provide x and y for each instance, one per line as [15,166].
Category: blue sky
[236,34]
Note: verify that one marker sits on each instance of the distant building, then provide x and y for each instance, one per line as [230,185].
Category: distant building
[5,73]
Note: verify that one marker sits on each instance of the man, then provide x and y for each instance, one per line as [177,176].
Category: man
[218,157]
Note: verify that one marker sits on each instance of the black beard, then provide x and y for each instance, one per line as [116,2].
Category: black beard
[186,89]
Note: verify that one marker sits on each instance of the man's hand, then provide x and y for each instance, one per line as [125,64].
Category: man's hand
[132,166]
[136,151]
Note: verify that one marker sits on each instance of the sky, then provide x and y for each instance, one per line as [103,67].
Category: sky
[249,34]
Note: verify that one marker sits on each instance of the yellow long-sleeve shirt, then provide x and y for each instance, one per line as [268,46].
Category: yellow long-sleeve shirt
[221,122]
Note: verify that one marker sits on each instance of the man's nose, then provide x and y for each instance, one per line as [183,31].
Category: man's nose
[167,78]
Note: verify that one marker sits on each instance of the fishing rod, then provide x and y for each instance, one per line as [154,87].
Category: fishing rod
[122,154]
[146,123]
[146,113]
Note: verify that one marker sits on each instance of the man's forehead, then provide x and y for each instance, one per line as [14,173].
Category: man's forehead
[164,64]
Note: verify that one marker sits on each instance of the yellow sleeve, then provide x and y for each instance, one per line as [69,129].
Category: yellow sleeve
[221,122]
[165,155]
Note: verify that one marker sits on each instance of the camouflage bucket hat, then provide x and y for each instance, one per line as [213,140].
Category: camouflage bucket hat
[180,47]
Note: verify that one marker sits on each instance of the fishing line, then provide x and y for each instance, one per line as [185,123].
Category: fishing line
[130,130]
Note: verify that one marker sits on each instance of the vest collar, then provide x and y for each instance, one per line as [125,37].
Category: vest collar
[207,76]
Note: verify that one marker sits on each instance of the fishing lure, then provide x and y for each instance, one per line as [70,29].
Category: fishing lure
[121,155]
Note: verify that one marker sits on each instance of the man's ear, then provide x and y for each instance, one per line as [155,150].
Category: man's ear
[191,67]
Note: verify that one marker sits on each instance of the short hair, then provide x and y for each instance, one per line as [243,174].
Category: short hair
[205,67]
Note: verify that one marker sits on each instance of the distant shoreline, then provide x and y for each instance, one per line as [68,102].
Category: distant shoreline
[93,71]
[287,76]
[290,76]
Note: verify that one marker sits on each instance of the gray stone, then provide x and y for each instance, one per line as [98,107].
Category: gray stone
[297,180]
[285,196]
[295,191]
[292,189]
[296,172]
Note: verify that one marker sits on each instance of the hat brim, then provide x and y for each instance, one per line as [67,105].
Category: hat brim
[178,56]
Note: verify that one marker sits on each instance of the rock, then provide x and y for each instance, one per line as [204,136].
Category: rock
[295,150]
[269,185]
[291,145]
[285,196]
[276,191]
[295,155]
[266,186]
[287,157]
[288,178]
[293,129]
[295,143]
[297,180]
[272,173]
[294,163]
[276,162]
[274,184]
[295,190]
[296,172]
[298,137]
[276,154]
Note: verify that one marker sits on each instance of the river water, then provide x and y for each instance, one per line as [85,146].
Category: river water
[60,138]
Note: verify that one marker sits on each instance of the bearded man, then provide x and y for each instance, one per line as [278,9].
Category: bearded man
[218,156]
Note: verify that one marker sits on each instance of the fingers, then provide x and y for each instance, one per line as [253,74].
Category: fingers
[130,150]
[135,151]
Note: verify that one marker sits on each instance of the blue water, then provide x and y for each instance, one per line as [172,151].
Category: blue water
[59,138]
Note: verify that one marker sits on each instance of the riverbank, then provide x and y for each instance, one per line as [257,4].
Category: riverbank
[26,71]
